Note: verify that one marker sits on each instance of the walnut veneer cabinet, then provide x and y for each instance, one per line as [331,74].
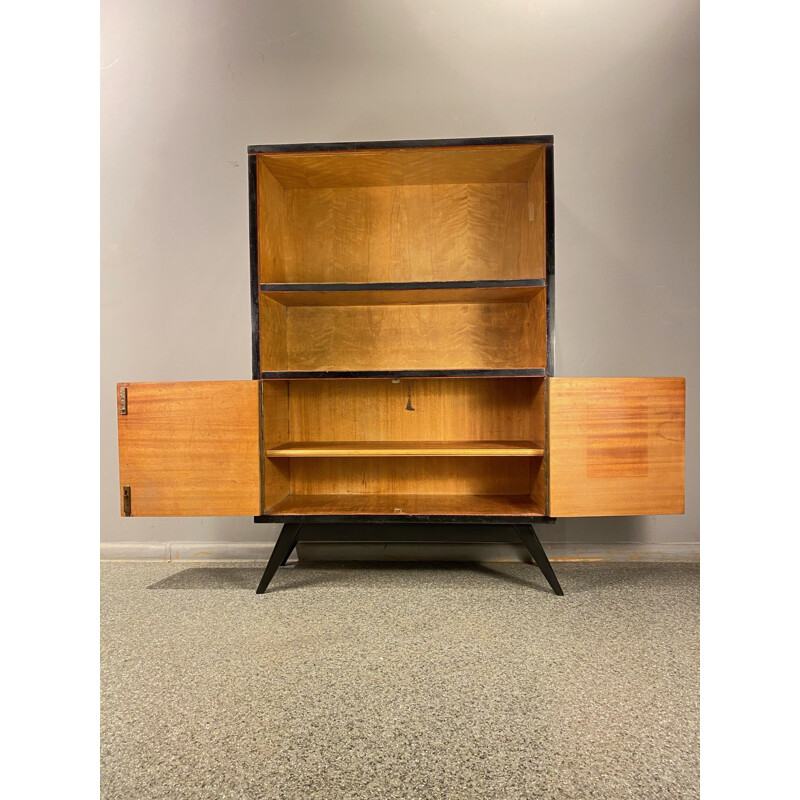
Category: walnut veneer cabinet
[403,301]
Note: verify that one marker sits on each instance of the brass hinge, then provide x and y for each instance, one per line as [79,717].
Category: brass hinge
[126,500]
[123,400]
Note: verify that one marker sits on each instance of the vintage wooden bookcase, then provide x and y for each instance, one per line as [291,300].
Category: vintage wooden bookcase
[402,309]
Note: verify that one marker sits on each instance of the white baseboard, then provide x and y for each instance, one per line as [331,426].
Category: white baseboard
[398,551]
[185,551]
[134,551]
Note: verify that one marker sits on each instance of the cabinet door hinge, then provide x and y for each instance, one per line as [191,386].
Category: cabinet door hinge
[126,500]
[123,401]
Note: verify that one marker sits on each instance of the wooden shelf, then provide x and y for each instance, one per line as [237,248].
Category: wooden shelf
[403,505]
[405,293]
[363,449]
[403,373]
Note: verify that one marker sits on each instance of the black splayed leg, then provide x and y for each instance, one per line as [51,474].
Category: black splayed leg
[288,553]
[529,538]
[283,547]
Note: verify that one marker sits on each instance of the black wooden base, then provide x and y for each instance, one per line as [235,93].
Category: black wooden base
[291,534]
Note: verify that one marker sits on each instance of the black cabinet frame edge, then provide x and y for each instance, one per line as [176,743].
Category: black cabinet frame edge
[532,283]
[398,519]
[252,180]
[403,373]
[550,254]
[318,147]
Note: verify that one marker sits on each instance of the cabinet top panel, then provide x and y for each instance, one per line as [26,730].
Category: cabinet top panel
[319,147]
[447,161]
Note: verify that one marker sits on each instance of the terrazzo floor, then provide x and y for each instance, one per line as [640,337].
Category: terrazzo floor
[350,681]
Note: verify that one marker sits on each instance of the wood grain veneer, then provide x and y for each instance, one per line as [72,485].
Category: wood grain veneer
[448,475]
[361,449]
[406,504]
[398,337]
[273,328]
[190,449]
[273,224]
[399,296]
[616,446]
[275,429]
[402,215]
[404,166]
[411,233]
[536,229]
[428,410]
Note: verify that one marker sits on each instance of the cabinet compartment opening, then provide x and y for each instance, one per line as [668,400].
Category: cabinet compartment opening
[402,215]
[413,485]
[425,336]
[338,423]
[449,411]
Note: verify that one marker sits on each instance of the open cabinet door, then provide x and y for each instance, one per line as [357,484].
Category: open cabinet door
[616,446]
[189,449]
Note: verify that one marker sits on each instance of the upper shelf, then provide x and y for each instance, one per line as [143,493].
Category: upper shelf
[403,293]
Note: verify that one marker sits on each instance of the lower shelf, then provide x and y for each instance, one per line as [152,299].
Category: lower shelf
[361,449]
[407,504]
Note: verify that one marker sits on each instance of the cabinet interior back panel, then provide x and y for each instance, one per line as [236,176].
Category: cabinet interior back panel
[447,410]
[413,475]
[411,233]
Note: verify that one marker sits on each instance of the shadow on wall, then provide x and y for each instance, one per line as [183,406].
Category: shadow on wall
[599,530]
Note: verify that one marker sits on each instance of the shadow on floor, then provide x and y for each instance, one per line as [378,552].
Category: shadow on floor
[350,572]
[211,578]
[576,578]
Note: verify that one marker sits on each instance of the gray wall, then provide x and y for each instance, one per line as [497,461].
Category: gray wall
[186,86]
